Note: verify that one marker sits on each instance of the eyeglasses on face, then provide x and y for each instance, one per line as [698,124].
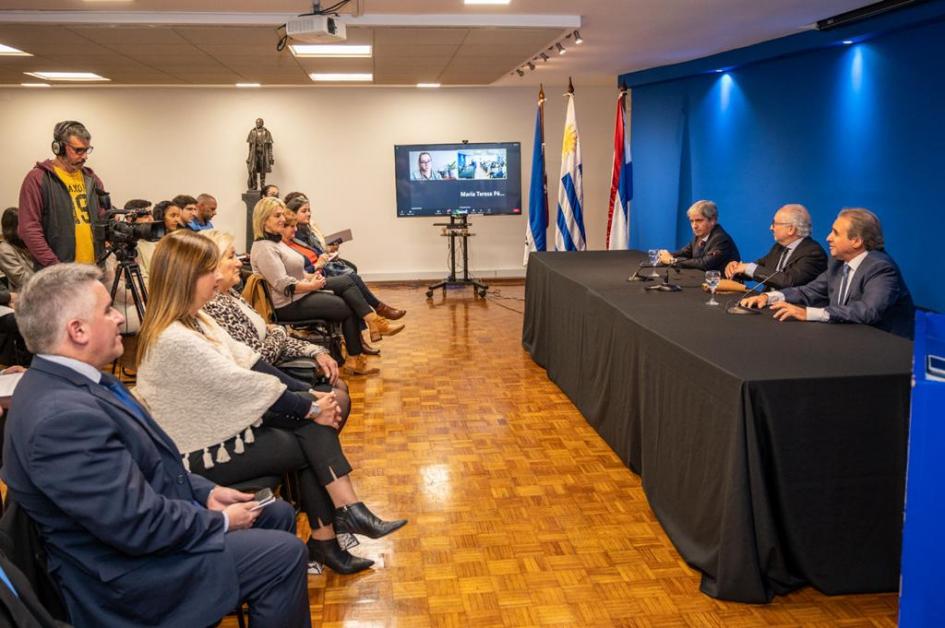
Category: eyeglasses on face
[81,150]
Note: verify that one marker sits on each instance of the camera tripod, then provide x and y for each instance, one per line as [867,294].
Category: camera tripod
[127,268]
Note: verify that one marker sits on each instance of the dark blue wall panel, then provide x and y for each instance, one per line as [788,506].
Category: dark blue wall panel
[841,126]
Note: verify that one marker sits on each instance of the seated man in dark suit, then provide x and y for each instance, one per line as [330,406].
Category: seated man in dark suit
[794,260]
[862,284]
[711,248]
[132,537]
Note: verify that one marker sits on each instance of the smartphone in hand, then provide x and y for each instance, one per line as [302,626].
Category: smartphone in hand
[263,498]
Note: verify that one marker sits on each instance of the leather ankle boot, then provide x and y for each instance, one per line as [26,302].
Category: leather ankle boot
[341,561]
[380,326]
[357,365]
[367,349]
[391,314]
[357,519]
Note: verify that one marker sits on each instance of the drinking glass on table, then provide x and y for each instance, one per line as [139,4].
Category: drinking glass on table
[712,279]
[654,255]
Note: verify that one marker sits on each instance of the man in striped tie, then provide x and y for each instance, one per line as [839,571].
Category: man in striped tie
[862,284]
[794,260]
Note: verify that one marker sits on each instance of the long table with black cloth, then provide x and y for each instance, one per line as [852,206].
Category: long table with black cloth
[772,453]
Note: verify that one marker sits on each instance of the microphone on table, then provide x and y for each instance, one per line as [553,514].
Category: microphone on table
[636,276]
[741,309]
[665,286]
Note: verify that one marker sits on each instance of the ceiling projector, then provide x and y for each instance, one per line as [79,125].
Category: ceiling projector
[316,29]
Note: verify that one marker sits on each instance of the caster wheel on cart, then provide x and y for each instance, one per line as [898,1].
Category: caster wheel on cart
[429,294]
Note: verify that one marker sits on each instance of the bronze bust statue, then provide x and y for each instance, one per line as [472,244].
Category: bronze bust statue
[260,160]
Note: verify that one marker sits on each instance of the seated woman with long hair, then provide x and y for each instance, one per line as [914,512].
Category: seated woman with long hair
[229,411]
[272,342]
[15,259]
[298,296]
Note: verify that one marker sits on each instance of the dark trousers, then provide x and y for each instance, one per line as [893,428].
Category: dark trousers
[12,346]
[327,307]
[271,564]
[304,446]
[347,288]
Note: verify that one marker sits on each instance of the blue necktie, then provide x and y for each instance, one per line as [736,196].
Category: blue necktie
[124,397]
[6,580]
[842,297]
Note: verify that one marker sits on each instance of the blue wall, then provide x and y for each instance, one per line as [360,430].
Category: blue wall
[837,126]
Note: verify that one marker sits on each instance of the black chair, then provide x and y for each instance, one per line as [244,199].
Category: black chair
[316,330]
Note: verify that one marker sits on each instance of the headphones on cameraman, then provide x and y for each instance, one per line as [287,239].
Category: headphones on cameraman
[62,131]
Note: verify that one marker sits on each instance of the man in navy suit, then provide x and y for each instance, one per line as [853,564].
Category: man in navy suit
[132,537]
[862,284]
[711,247]
[794,260]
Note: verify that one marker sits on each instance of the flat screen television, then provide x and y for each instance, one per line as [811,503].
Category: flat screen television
[443,179]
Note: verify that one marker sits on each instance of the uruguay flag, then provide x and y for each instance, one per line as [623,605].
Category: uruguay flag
[538,192]
[621,182]
[569,231]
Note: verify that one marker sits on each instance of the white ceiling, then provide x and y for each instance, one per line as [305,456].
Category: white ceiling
[131,42]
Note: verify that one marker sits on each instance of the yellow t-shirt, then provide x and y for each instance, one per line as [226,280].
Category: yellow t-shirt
[75,183]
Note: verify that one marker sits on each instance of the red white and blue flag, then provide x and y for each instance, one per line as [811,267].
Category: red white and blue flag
[621,182]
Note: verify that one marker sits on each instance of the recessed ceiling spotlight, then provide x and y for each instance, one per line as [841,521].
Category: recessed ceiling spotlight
[720,70]
[561,49]
[578,39]
[67,76]
[10,51]
[341,77]
[35,85]
[428,85]
[531,66]
[249,85]
[544,57]
[330,50]
[486,1]
[847,42]
[519,72]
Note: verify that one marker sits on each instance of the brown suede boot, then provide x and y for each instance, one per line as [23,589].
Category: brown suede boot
[357,365]
[390,313]
[380,327]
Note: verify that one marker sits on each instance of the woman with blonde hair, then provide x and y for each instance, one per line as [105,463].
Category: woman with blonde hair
[229,411]
[297,295]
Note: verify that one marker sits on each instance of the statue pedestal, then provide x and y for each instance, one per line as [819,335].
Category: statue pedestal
[250,198]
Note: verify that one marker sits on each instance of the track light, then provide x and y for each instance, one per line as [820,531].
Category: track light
[578,39]
[544,57]
[531,66]
[561,49]
[519,72]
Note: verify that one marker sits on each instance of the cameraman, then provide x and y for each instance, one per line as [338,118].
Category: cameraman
[58,200]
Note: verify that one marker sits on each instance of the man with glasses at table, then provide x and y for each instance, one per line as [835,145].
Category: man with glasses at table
[794,260]
[59,199]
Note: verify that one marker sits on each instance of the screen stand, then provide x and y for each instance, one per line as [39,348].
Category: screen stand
[457,228]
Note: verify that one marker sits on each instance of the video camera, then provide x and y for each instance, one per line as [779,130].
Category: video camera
[122,235]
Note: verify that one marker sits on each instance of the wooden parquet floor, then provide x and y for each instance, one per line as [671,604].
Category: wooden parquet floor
[520,515]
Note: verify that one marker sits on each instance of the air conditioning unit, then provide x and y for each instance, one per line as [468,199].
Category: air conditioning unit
[316,29]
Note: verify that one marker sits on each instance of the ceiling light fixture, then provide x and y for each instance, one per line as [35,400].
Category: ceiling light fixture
[561,49]
[519,72]
[531,66]
[341,77]
[10,51]
[847,42]
[486,1]
[544,57]
[331,50]
[428,85]
[249,85]
[578,39]
[35,85]
[67,76]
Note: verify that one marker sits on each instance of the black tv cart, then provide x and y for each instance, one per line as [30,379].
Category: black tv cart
[457,227]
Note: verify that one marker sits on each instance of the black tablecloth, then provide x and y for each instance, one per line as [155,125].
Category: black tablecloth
[772,453]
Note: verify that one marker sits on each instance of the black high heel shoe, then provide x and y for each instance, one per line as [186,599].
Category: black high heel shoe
[357,519]
[329,553]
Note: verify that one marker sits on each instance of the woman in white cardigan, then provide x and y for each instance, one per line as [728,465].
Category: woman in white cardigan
[214,395]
